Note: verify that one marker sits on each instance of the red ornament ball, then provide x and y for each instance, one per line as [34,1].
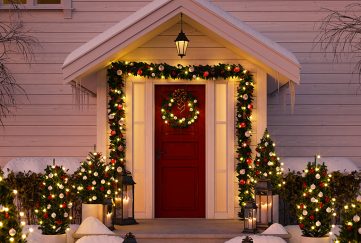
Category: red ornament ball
[120,148]
[101,188]
[249,161]
[46,215]
[301,226]
[242,125]
[113,132]
[89,188]
[236,69]
[120,107]
[50,197]
[139,72]
[312,217]
[206,74]
[250,106]
[242,182]
[112,161]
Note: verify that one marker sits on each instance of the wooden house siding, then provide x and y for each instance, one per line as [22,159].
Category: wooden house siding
[326,119]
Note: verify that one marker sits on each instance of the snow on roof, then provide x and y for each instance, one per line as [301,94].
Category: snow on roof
[160,14]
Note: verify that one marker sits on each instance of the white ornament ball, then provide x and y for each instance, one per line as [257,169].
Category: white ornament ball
[356,218]
[79,188]
[53,215]
[50,188]
[318,223]
[82,170]
[70,205]
[194,76]
[359,231]
[247,134]
[265,174]
[266,144]
[242,172]
[313,199]
[111,116]
[328,210]
[195,101]
[153,74]
[191,69]
[102,181]
[94,183]
[84,178]
[119,72]
[161,68]
[269,163]
[313,186]
[358,198]
[94,198]
[48,206]
[119,169]
[270,154]
[109,191]
[245,97]
[304,212]
[258,154]
[61,195]
[12,232]
[51,175]
[317,176]
[320,194]
[66,215]
[61,186]
[96,173]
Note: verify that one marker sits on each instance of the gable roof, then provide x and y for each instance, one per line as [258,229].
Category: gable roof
[159,15]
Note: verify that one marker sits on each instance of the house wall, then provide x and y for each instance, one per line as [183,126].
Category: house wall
[326,120]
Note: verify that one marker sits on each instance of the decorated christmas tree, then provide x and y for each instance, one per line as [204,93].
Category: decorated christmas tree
[93,180]
[315,206]
[10,228]
[54,207]
[267,163]
[351,224]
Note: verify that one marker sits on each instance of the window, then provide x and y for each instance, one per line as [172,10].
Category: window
[64,5]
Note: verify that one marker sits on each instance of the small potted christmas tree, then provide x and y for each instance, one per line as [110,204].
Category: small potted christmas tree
[268,166]
[351,223]
[10,228]
[93,185]
[54,206]
[315,206]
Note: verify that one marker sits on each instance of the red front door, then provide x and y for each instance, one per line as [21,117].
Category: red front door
[179,159]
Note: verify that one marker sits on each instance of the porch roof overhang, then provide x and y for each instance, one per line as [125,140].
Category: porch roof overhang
[160,15]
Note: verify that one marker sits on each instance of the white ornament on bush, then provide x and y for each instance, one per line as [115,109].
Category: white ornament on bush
[61,195]
[359,231]
[358,198]
[304,212]
[94,183]
[313,199]
[96,173]
[265,174]
[242,172]
[51,175]
[247,134]
[53,215]
[266,144]
[191,69]
[109,191]
[102,181]
[328,210]
[84,178]
[313,187]
[61,186]
[82,170]
[48,207]
[66,215]
[94,198]
[50,188]
[161,68]
[317,176]
[12,232]
[318,223]
[356,218]
[320,194]
[119,72]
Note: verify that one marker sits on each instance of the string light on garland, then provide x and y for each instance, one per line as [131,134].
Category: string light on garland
[117,74]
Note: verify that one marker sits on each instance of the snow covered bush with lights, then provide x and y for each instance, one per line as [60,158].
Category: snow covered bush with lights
[10,228]
[93,180]
[315,206]
[54,207]
[351,224]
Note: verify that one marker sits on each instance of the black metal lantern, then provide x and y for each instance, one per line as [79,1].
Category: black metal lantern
[247,240]
[264,201]
[124,202]
[250,215]
[107,213]
[181,41]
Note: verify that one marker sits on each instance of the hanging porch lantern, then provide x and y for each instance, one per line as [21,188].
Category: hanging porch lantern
[264,201]
[124,202]
[250,215]
[181,41]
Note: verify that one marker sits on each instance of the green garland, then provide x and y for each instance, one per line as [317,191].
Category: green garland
[116,80]
[351,225]
[188,101]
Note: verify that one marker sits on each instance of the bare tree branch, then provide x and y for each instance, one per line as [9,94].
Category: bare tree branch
[13,39]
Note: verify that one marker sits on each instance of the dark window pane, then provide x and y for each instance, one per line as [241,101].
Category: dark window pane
[14,1]
[49,1]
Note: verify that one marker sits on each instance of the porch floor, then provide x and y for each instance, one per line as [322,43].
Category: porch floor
[183,230]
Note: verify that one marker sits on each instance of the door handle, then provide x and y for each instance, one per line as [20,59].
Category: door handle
[158,154]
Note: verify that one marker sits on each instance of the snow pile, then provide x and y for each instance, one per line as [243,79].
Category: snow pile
[258,239]
[100,239]
[275,229]
[92,226]
[35,235]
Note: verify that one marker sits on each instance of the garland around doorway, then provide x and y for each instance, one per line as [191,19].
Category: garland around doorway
[116,80]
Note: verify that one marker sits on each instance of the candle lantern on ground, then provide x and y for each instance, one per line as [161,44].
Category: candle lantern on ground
[124,202]
[250,215]
[263,193]
[107,213]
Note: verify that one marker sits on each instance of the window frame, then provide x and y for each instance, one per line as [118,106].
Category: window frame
[64,5]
